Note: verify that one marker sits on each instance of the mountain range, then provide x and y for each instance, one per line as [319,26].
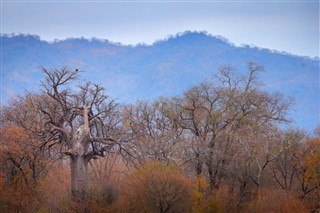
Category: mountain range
[166,68]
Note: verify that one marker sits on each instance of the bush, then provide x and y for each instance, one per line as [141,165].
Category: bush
[219,200]
[156,188]
[272,200]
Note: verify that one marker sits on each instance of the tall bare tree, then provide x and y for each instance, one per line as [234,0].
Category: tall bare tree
[81,120]
[212,113]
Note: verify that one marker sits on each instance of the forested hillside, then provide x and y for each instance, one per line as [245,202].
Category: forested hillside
[166,68]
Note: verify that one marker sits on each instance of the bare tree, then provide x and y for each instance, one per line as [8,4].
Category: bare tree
[20,129]
[284,168]
[81,120]
[154,135]
[213,112]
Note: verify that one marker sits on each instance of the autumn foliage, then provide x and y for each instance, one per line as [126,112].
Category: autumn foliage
[219,147]
[156,188]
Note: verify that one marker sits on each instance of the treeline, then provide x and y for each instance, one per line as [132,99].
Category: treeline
[222,146]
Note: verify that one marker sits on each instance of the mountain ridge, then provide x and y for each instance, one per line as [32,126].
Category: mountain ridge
[167,67]
[156,42]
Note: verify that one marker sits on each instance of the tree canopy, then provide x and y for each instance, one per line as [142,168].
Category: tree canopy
[219,146]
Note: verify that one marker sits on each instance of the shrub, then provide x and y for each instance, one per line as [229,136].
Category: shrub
[156,188]
[273,200]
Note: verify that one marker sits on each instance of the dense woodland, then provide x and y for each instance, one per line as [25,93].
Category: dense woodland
[222,146]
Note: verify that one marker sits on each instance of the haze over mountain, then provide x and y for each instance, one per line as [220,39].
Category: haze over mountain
[166,68]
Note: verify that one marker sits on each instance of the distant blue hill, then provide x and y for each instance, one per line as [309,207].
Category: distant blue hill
[166,68]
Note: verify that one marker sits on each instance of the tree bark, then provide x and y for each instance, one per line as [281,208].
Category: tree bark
[79,159]
[79,177]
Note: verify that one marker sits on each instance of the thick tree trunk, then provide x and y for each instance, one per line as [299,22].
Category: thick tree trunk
[79,177]
[79,160]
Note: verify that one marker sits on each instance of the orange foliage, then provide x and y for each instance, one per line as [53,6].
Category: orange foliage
[24,165]
[15,140]
[53,190]
[17,190]
[313,160]
[156,188]
[274,200]
[312,165]
[221,199]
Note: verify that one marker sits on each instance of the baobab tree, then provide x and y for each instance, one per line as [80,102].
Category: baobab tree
[83,122]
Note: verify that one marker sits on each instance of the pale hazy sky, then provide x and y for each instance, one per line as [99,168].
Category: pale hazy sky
[291,26]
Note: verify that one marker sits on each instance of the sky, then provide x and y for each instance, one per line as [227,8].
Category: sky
[290,26]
